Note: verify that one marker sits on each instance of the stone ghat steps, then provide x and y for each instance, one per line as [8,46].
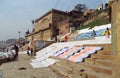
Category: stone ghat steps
[102,57]
[97,68]
[98,61]
[67,69]
[98,65]
[60,70]
[84,65]
[69,66]
[104,52]
[106,47]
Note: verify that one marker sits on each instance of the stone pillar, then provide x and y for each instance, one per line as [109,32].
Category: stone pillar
[116,39]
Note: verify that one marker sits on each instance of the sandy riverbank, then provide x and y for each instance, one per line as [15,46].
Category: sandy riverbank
[22,69]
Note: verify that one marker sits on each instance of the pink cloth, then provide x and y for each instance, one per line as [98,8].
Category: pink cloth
[69,51]
[84,51]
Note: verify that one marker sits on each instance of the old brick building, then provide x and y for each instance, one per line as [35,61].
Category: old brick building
[46,27]
[69,25]
[66,26]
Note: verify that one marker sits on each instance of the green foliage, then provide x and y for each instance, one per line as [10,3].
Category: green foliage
[93,24]
[80,7]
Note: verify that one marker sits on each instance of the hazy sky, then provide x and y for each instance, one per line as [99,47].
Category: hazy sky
[16,15]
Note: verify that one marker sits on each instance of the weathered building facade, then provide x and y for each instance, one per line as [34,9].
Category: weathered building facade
[66,26]
[45,27]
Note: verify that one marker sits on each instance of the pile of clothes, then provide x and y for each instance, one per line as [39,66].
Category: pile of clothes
[7,55]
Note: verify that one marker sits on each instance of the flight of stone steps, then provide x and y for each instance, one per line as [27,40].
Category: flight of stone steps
[98,65]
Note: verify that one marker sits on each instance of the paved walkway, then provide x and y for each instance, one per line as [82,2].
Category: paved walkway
[22,69]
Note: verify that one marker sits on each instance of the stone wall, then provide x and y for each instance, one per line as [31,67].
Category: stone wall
[37,36]
[64,27]
[57,18]
[43,23]
[47,35]
[28,37]
[116,38]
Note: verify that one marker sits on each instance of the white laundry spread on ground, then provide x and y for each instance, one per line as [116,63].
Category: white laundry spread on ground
[42,57]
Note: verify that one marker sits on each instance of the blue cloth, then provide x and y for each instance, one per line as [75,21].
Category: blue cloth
[62,51]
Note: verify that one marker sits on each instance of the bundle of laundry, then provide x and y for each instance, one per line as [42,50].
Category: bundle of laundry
[6,55]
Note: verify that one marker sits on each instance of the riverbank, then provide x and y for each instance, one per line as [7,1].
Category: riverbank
[22,69]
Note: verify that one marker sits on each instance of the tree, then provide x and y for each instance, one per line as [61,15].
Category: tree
[80,7]
[106,5]
[33,21]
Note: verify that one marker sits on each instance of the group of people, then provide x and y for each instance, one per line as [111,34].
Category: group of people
[107,33]
[93,35]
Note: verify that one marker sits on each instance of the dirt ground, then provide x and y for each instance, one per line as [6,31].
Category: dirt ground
[22,69]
